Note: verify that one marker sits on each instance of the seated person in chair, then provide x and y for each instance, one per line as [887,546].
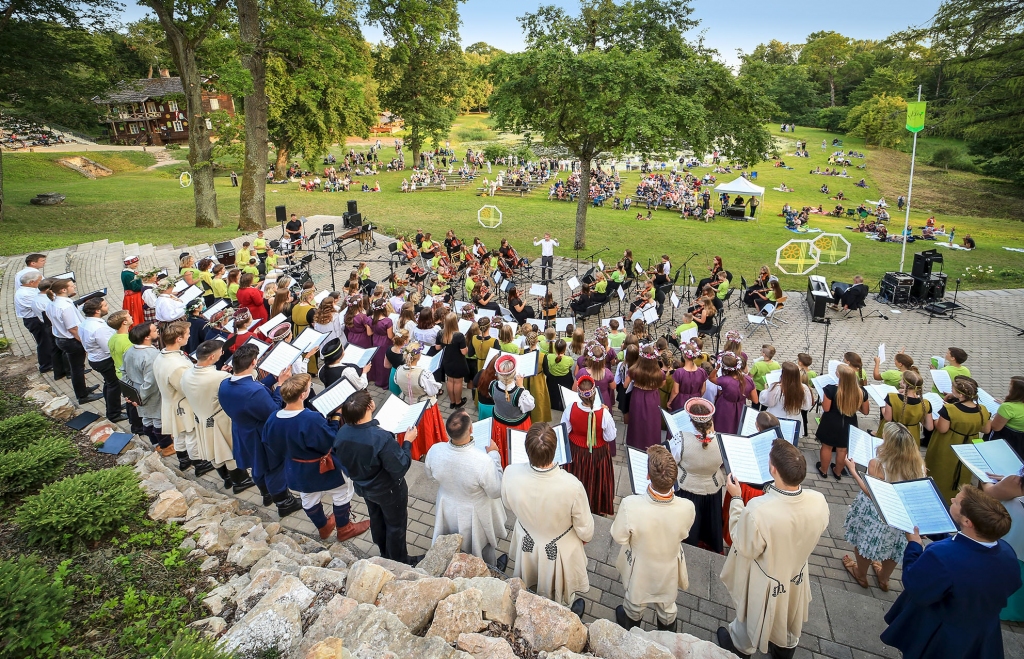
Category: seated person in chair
[849,297]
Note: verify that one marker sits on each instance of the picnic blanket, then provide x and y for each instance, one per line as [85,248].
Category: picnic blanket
[804,230]
[1014,249]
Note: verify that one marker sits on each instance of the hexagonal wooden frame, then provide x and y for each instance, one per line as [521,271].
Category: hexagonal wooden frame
[489,216]
[796,257]
[830,248]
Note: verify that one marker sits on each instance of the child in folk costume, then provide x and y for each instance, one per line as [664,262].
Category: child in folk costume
[512,404]
[383,334]
[590,434]
[418,384]
[701,476]
[395,358]
[537,385]
[132,284]
[333,370]
[301,442]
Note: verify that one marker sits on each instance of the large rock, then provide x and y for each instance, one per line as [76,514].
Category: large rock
[496,603]
[59,409]
[329,648]
[169,504]
[683,646]
[247,553]
[271,625]
[365,581]
[414,601]
[214,539]
[400,570]
[278,561]
[210,626]
[458,614]
[485,647]
[610,641]
[440,554]
[372,633]
[321,578]
[338,550]
[517,586]
[261,582]
[468,566]
[286,588]
[548,626]
[327,621]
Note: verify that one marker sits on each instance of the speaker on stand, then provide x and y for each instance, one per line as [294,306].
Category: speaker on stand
[282,217]
[353,206]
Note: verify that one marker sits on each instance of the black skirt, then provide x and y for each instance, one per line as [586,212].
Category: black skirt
[707,525]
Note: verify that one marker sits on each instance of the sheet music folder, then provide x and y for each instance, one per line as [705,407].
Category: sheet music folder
[747,457]
[907,504]
[517,446]
[636,461]
[333,396]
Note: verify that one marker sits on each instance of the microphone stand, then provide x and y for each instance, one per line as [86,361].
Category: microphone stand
[687,269]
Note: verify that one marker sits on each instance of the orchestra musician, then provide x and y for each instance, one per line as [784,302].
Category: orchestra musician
[716,267]
[600,287]
[645,295]
[415,273]
[581,301]
[483,298]
[294,230]
[407,248]
[704,314]
[427,247]
[759,286]
[549,306]
[509,257]
[662,272]
[479,250]
[452,244]
[439,289]
[520,310]
[627,263]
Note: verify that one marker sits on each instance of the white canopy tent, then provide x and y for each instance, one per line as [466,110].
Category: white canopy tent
[741,186]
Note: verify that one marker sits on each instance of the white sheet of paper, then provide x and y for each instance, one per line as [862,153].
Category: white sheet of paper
[881,353]
[990,403]
[823,381]
[484,313]
[772,377]
[261,346]
[942,381]
[320,297]
[217,307]
[269,326]
[482,433]
[748,456]
[911,503]
[678,422]
[517,447]
[573,283]
[636,460]
[878,392]
[639,268]
[460,305]
[393,317]
[788,427]
[428,301]
[688,335]
[863,447]
[493,332]
[464,325]
[606,322]
[332,397]
[536,322]
[675,300]
[562,323]
[833,368]
[191,293]
[569,397]
[993,457]
[651,315]
[936,401]
[938,362]
[540,290]
[600,265]
[894,513]
[434,362]
[280,357]
[621,293]
[397,417]
[356,356]
[308,339]
[179,286]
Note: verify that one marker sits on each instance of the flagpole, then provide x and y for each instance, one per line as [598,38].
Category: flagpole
[910,191]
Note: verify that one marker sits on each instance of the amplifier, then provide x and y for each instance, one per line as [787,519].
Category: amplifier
[930,288]
[894,293]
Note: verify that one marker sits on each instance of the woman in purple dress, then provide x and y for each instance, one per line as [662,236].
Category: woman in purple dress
[736,389]
[383,334]
[358,327]
[689,380]
[644,428]
[596,367]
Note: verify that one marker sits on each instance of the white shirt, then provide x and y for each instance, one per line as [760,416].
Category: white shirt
[95,334]
[17,277]
[40,302]
[547,246]
[64,315]
[169,308]
[607,422]
[666,268]
[24,299]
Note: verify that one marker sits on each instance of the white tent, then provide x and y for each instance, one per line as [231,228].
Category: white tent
[740,186]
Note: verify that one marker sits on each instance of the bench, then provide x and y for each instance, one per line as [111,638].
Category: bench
[425,188]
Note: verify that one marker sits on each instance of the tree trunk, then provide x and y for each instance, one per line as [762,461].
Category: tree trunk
[832,89]
[415,143]
[253,198]
[1,185]
[584,202]
[281,167]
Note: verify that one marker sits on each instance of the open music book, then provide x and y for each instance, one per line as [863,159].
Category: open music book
[878,392]
[907,504]
[356,356]
[333,396]
[771,377]
[213,310]
[988,402]
[936,401]
[482,433]
[269,326]
[678,422]
[179,286]
[483,313]
[823,381]
[747,457]
[397,417]
[261,346]
[748,426]
[636,460]
[191,293]
[942,381]
[308,339]
[278,358]
[569,397]
[688,335]
[526,365]
[561,324]
[517,446]
[993,457]
[573,283]
[833,368]
[320,297]
[651,315]
[434,362]
[540,290]
[675,300]
[620,293]
[863,447]
[464,325]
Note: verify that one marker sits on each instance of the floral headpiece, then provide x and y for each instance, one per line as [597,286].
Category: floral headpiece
[241,315]
[690,351]
[649,355]
[733,335]
[354,300]
[505,365]
[732,354]
[469,309]
[378,304]
[595,351]
[586,394]
[700,418]
[412,349]
[601,333]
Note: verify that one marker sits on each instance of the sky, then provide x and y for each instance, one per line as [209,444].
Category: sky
[727,26]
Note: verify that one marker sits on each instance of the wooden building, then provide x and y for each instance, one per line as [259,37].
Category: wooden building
[152,110]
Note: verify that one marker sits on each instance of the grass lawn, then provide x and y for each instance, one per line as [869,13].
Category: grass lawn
[136,205]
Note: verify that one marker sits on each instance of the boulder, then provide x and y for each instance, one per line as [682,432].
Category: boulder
[211,563]
[236,526]
[273,528]
[156,484]
[517,585]
[414,601]
[546,625]
[214,604]
[400,570]
[565,653]
[260,584]
[285,588]
[276,560]
[170,503]
[365,581]
[440,554]
[683,646]
[610,641]
[327,621]
[485,647]
[496,602]
[282,539]
[131,456]
[370,631]
[40,396]
[320,578]
[337,550]
[246,553]
[214,539]
[458,614]
[468,566]
[214,626]
[272,625]
[320,558]
[329,648]
[59,409]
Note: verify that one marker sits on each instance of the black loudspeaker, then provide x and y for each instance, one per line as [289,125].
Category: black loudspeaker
[353,206]
[353,220]
[282,214]
[923,262]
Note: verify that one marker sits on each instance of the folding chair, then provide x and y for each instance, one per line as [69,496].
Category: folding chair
[762,319]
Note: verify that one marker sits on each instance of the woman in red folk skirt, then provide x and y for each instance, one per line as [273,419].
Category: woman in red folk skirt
[132,284]
[512,404]
[590,434]
[418,384]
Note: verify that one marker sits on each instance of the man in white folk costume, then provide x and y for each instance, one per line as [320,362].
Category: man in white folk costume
[175,412]
[651,528]
[553,520]
[469,499]
[201,386]
[766,571]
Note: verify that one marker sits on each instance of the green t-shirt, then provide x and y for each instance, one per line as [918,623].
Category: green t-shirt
[233,292]
[615,339]
[685,326]
[601,286]
[509,347]
[470,285]
[618,277]
[953,372]
[723,290]
[892,377]
[758,371]
[118,345]
[1014,415]
[558,369]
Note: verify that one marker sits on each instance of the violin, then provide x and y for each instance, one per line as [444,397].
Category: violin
[409,251]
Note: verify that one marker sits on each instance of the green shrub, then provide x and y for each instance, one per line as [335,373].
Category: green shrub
[86,507]
[32,608]
[39,463]
[19,431]
[193,645]
[496,150]
[472,134]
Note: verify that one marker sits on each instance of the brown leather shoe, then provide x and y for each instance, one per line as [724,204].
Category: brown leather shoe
[167,451]
[351,530]
[328,529]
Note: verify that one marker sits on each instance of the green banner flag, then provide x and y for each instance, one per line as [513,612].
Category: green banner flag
[915,116]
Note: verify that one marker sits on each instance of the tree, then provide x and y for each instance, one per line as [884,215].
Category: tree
[420,68]
[187,23]
[831,119]
[620,77]
[774,52]
[795,94]
[826,53]
[880,120]
[478,79]
[252,198]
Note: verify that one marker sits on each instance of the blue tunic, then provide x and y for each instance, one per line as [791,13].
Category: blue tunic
[249,403]
[305,436]
[953,592]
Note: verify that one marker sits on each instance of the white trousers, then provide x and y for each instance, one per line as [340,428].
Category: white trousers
[339,496]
